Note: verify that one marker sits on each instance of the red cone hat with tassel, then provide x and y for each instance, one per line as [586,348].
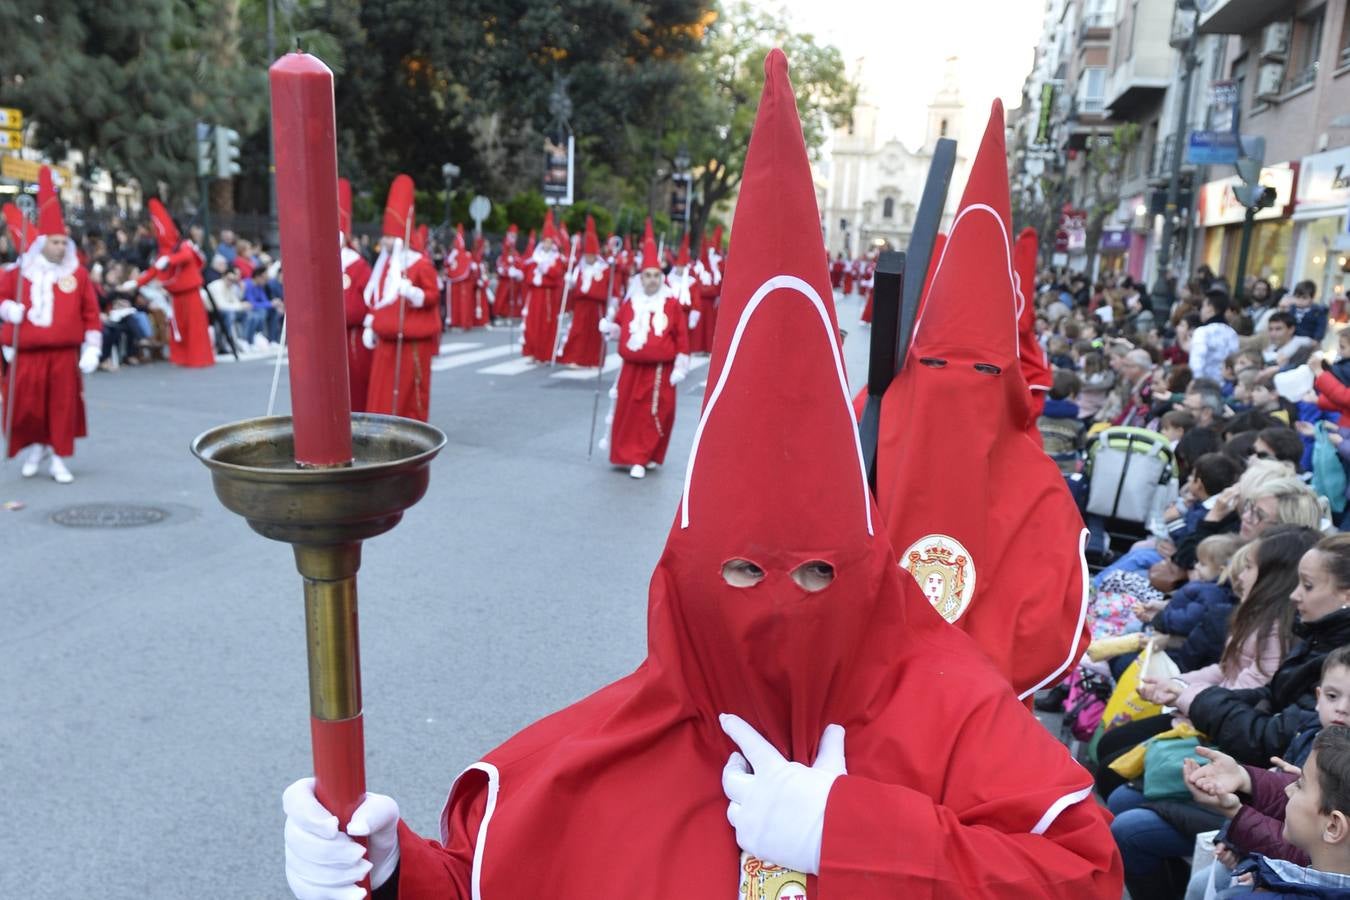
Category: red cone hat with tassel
[49,219]
[1035,364]
[979,515]
[830,632]
[166,232]
[398,209]
[591,241]
[345,208]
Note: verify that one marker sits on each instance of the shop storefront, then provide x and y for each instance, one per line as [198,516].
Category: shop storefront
[1220,215]
[1112,251]
[1322,241]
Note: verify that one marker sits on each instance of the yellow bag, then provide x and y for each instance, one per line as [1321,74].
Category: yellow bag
[1125,704]
[1130,764]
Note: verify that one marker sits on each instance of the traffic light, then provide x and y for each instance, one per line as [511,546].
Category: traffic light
[227,152]
[205,149]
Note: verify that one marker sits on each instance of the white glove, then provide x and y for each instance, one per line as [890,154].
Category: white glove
[89,359]
[11,311]
[693,318]
[323,863]
[162,263]
[681,369]
[368,338]
[413,294]
[515,273]
[609,329]
[7,353]
[129,285]
[778,810]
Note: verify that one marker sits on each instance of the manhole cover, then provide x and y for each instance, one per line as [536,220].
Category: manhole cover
[108,515]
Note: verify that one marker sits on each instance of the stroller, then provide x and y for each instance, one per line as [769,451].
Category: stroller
[1130,477]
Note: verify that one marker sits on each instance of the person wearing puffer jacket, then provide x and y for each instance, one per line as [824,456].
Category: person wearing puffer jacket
[1255,724]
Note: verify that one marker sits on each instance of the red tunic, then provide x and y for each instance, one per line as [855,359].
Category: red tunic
[459,272]
[644,412]
[543,284]
[189,339]
[355,274]
[47,389]
[510,289]
[590,288]
[421,335]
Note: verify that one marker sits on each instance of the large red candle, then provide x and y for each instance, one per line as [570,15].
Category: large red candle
[304,134]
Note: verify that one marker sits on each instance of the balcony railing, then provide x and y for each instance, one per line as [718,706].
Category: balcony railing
[1345,56]
[1097,21]
[1091,106]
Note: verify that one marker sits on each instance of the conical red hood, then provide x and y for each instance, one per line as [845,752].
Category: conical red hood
[21,231]
[512,235]
[345,208]
[479,246]
[459,238]
[419,238]
[651,256]
[591,242]
[529,244]
[979,515]
[682,258]
[166,232]
[1035,366]
[775,477]
[550,231]
[49,205]
[398,209]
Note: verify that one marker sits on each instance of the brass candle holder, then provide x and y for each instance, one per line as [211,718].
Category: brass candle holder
[325,514]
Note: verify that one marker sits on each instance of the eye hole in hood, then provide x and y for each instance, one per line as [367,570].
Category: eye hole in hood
[988,368]
[813,576]
[933,362]
[741,573]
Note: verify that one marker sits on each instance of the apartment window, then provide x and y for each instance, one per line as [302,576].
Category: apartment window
[888,208]
[1092,90]
[1344,59]
[1307,49]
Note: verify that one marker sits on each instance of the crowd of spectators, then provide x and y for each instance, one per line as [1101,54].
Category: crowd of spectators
[1237,580]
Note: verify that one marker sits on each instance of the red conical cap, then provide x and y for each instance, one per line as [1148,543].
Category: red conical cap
[166,232]
[479,246]
[49,219]
[459,238]
[398,209]
[591,243]
[651,257]
[21,231]
[550,231]
[512,234]
[529,244]
[345,207]
[419,238]
[682,259]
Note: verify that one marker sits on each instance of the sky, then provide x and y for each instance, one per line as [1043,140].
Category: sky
[905,43]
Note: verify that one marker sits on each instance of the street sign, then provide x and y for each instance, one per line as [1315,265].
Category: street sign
[27,170]
[10,118]
[480,208]
[10,139]
[1212,148]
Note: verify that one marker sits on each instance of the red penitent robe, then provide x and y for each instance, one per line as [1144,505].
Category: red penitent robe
[421,335]
[543,286]
[459,273]
[47,389]
[189,339]
[652,333]
[590,285]
[355,274]
[510,289]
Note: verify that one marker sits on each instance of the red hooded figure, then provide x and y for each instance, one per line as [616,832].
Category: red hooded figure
[709,274]
[403,323]
[775,611]
[49,298]
[979,515]
[355,274]
[545,267]
[179,267]
[510,277]
[459,272]
[1031,355]
[587,298]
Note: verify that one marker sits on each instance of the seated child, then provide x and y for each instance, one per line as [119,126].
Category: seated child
[1196,618]
[1060,427]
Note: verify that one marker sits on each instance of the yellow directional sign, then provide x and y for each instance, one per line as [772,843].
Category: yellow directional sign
[10,117]
[27,170]
[10,140]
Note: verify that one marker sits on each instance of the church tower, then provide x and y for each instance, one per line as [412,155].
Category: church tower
[944,113]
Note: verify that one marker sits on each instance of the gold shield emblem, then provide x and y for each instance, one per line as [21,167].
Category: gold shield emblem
[346,281]
[66,284]
[945,572]
[762,880]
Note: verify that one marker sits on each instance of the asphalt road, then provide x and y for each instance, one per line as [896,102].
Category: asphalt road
[153,699]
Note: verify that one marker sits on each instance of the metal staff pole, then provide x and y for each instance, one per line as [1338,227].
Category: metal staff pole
[600,372]
[13,362]
[567,287]
[398,344]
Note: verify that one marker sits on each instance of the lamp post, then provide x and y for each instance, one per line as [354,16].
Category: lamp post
[682,162]
[449,172]
[1161,299]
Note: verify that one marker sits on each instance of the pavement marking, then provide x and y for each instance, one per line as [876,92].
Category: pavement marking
[611,363]
[510,367]
[440,364]
[459,346]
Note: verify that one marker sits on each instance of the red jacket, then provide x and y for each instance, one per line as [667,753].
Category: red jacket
[1332,395]
[659,348]
[73,310]
[355,274]
[184,272]
[419,322]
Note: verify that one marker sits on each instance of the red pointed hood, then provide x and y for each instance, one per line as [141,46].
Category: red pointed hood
[459,239]
[564,239]
[1035,366]
[529,245]
[345,208]
[49,205]
[591,242]
[627,244]
[979,515]
[21,231]
[166,232]
[479,247]
[512,235]
[398,209]
[420,236]
[651,256]
[550,231]
[682,258]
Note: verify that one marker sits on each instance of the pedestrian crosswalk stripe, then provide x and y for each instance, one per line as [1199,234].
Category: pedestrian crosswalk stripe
[510,367]
[611,363]
[460,346]
[442,363]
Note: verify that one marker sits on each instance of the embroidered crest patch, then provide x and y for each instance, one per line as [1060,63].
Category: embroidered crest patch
[66,284]
[762,880]
[945,572]
[346,281]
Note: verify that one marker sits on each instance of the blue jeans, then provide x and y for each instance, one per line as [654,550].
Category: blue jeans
[262,319]
[1140,559]
[1146,841]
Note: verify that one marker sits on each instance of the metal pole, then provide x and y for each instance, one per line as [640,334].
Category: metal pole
[273,236]
[1247,221]
[1161,299]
